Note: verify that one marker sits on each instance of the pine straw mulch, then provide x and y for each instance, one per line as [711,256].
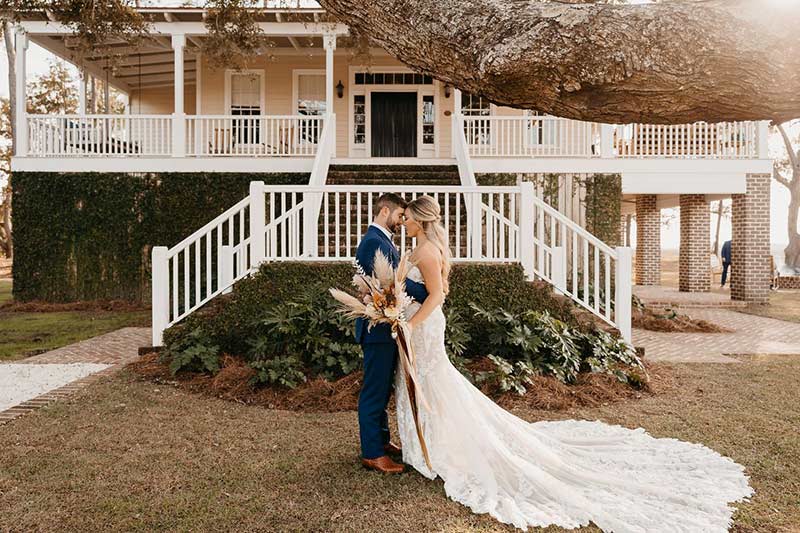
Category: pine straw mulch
[668,320]
[232,383]
[37,306]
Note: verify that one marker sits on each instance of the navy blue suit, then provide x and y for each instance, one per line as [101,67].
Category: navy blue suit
[726,260]
[380,352]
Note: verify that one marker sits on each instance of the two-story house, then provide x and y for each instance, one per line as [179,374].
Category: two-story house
[310,105]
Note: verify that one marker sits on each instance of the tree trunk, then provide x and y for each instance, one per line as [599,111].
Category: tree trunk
[792,252]
[5,208]
[628,219]
[670,62]
[715,251]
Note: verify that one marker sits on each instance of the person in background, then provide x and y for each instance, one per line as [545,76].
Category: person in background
[726,261]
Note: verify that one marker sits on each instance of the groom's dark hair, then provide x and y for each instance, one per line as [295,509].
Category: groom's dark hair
[390,200]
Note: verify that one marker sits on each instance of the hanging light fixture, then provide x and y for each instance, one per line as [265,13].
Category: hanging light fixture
[339,89]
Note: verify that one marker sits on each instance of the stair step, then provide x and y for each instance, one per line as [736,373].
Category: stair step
[394,168]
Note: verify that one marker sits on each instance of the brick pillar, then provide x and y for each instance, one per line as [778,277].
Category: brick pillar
[750,253]
[648,240]
[694,264]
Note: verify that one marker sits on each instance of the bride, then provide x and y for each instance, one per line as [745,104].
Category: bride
[564,473]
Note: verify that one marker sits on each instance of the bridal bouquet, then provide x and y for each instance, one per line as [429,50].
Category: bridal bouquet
[382,299]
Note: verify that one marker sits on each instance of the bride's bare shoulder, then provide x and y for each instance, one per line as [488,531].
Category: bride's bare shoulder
[425,252]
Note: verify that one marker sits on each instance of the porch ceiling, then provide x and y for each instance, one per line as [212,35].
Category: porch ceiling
[129,68]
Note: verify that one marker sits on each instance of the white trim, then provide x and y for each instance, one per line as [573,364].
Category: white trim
[367,89]
[198,84]
[421,161]
[262,88]
[275,29]
[579,165]
[683,183]
[296,73]
[158,164]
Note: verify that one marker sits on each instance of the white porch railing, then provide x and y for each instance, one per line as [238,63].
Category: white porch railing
[200,267]
[99,135]
[256,135]
[723,140]
[530,136]
[544,136]
[325,223]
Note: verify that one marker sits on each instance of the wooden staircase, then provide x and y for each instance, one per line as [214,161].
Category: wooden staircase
[351,215]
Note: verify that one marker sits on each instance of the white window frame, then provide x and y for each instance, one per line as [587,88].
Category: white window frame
[296,73]
[492,111]
[262,86]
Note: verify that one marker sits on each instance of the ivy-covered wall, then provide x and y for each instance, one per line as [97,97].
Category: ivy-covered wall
[603,206]
[87,236]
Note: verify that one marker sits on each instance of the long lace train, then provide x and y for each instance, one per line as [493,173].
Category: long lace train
[564,473]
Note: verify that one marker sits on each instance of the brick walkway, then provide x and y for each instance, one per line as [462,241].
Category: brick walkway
[751,335]
[116,349]
[660,295]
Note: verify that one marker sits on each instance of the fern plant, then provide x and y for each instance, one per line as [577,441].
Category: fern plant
[195,352]
[283,371]
[313,331]
[534,342]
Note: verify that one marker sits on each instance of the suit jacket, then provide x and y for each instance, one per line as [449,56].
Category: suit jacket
[726,252]
[374,240]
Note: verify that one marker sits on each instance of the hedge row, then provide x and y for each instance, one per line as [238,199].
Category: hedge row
[87,236]
[230,321]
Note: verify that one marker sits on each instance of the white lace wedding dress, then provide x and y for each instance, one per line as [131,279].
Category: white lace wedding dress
[563,473]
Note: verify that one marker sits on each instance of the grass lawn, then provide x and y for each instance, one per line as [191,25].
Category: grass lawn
[23,333]
[5,291]
[138,456]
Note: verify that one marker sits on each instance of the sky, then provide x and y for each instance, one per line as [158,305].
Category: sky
[38,63]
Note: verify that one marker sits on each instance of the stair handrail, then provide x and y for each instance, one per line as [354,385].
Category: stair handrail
[461,149]
[319,176]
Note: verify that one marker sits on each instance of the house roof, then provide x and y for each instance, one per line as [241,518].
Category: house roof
[292,31]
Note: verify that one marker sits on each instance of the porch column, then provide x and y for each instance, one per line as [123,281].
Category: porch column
[106,95]
[329,42]
[751,268]
[82,92]
[694,263]
[648,240]
[454,121]
[178,116]
[607,140]
[20,104]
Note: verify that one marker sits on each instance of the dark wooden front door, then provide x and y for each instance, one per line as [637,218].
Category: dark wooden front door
[394,124]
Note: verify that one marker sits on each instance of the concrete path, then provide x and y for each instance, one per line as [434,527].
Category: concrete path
[36,381]
[751,335]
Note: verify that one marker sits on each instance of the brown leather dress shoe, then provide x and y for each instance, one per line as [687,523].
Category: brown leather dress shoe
[383,464]
[392,449]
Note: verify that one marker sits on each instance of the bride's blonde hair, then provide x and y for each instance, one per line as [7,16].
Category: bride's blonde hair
[426,211]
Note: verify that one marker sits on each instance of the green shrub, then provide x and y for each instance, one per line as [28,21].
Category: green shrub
[508,376]
[195,352]
[535,341]
[284,371]
[311,329]
[234,320]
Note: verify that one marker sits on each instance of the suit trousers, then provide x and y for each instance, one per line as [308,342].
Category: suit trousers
[380,361]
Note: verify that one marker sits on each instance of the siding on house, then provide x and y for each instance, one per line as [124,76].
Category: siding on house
[278,90]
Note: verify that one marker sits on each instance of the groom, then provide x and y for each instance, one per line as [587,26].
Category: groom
[380,349]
